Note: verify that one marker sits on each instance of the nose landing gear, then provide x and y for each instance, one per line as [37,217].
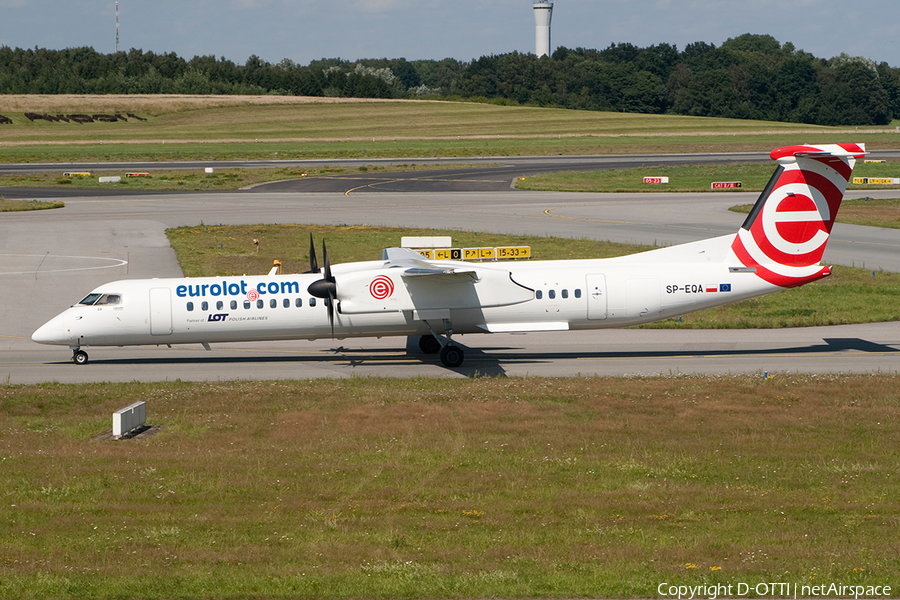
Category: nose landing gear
[79,356]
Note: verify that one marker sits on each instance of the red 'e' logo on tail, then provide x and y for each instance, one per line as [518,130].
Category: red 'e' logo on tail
[785,235]
[793,229]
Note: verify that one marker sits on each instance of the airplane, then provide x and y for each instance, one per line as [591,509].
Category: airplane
[779,246]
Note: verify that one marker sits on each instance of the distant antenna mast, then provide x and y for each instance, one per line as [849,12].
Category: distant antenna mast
[117,26]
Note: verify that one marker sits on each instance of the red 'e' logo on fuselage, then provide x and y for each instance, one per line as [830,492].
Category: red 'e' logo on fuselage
[381,287]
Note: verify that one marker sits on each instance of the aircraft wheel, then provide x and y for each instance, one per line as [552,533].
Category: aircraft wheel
[428,344]
[80,357]
[452,356]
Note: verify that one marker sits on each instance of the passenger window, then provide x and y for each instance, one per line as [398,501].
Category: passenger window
[312,301]
[273,303]
[234,305]
[246,304]
[551,294]
[190,306]
[220,305]
[539,294]
[298,302]
[204,306]
[578,293]
[565,293]
[259,304]
[286,303]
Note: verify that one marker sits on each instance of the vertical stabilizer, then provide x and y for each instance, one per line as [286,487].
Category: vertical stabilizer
[785,234]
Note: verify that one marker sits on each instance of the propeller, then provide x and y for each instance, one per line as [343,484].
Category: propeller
[313,263]
[326,287]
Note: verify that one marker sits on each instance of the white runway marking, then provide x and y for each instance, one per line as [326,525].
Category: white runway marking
[33,264]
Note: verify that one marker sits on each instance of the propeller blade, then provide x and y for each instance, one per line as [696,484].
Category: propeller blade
[331,288]
[313,263]
[330,302]
[326,287]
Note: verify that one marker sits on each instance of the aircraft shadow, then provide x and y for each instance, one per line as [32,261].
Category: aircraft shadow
[489,361]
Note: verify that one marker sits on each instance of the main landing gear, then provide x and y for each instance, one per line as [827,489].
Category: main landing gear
[451,355]
[429,344]
[79,356]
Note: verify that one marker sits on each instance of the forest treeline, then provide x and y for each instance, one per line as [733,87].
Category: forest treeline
[747,77]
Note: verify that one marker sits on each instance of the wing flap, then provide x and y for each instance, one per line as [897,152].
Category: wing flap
[448,275]
[523,327]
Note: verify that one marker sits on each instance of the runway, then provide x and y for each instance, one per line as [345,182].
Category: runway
[51,259]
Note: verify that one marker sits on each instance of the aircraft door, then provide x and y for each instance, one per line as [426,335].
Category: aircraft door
[160,311]
[596,297]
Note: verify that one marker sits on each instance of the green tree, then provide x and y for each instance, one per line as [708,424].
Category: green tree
[852,95]
[193,81]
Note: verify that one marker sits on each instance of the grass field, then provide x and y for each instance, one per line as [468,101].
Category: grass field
[850,295]
[510,488]
[213,250]
[202,128]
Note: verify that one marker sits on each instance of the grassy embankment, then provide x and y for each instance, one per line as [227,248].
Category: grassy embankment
[849,296]
[685,179]
[509,488]
[216,128]
[198,180]
[875,212]
[872,212]
[7,205]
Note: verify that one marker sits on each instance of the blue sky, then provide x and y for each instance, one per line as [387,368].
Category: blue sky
[302,30]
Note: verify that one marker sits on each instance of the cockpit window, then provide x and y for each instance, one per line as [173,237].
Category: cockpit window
[101,299]
[90,299]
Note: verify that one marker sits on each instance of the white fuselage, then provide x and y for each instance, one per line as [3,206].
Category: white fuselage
[549,295]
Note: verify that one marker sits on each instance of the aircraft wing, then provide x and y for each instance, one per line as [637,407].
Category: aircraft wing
[410,282]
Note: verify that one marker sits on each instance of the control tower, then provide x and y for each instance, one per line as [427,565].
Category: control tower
[543,11]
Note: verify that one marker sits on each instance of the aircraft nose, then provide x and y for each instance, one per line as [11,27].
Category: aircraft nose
[52,332]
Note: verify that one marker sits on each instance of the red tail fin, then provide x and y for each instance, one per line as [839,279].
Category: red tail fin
[785,234]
